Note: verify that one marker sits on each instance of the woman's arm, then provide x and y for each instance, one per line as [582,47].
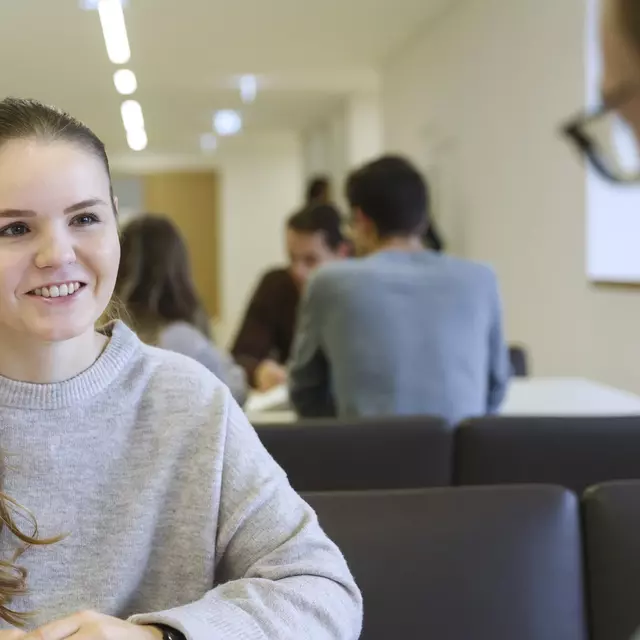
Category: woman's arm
[283,578]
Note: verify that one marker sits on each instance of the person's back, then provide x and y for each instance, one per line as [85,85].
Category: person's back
[412,333]
[404,330]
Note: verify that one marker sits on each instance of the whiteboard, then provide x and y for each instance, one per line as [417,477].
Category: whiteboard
[613,211]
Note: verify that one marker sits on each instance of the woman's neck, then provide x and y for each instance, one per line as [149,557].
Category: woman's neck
[26,360]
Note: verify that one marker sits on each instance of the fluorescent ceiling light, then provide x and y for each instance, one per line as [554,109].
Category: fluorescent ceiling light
[227,122]
[137,139]
[114,30]
[92,5]
[125,81]
[132,115]
[248,88]
[208,142]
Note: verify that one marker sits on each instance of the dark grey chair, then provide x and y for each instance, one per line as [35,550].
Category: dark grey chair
[571,452]
[385,453]
[499,563]
[612,531]
[519,361]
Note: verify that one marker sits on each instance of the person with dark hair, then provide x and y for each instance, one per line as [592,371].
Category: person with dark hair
[319,190]
[137,502]
[403,330]
[314,236]
[156,287]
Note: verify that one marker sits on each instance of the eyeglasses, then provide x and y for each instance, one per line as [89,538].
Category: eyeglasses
[607,141]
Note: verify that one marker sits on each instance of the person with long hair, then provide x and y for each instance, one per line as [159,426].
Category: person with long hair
[156,287]
[137,501]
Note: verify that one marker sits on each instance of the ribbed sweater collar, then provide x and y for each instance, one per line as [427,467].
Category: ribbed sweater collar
[122,346]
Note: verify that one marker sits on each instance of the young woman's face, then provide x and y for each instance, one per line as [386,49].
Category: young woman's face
[59,247]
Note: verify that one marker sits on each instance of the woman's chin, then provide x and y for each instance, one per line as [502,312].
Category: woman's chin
[58,331]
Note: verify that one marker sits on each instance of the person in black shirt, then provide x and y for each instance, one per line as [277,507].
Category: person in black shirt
[314,236]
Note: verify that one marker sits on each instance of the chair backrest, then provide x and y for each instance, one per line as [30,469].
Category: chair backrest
[571,452]
[519,361]
[612,531]
[391,453]
[499,563]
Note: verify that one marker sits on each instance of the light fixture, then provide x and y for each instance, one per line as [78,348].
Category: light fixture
[208,142]
[92,5]
[132,115]
[248,88]
[227,122]
[125,81]
[137,139]
[114,30]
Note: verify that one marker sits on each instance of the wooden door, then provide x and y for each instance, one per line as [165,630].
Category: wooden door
[190,199]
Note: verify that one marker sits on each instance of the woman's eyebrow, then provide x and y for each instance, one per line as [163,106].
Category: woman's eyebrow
[91,202]
[24,213]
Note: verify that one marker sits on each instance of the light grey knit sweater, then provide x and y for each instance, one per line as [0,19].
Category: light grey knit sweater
[165,491]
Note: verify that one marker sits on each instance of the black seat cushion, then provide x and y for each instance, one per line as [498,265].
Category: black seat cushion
[612,524]
[392,453]
[462,563]
[571,452]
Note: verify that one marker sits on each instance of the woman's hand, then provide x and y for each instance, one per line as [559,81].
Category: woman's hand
[89,625]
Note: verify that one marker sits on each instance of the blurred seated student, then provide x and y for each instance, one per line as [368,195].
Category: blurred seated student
[157,289]
[319,190]
[403,330]
[263,344]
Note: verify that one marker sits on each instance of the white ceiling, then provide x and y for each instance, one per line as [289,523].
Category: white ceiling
[309,54]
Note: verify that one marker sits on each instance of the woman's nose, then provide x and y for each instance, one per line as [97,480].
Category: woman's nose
[55,250]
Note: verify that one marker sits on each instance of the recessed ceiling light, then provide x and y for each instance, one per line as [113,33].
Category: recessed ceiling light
[227,122]
[125,81]
[208,142]
[132,115]
[114,30]
[92,5]
[248,88]
[137,139]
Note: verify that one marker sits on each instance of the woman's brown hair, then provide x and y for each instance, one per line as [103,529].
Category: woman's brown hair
[154,282]
[24,120]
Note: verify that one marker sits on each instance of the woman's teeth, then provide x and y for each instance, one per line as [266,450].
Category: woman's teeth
[57,291]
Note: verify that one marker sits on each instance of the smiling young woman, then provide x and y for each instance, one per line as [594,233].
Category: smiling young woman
[157,507]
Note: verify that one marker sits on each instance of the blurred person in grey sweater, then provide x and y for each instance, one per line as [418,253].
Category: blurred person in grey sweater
[401,330]
[156,287]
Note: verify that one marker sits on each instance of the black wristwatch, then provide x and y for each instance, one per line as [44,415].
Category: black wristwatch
[169,633]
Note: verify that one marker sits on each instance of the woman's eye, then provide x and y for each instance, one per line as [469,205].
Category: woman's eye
[85,219]
[15,229]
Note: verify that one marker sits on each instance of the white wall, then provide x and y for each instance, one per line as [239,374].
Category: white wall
[324,150]
[363,128]
[347,138]
[491,81]
[261,186]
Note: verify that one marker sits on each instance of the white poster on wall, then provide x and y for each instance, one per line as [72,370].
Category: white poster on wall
[613,211]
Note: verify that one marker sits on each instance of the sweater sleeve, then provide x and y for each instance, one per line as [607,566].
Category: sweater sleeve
[280,576]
